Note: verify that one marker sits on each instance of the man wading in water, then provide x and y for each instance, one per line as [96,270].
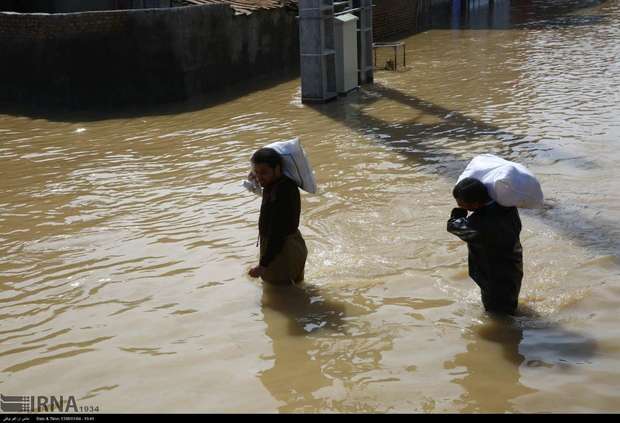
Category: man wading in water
[282,249]
[492,236]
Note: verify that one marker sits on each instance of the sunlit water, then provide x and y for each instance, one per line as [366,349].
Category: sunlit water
[125,242]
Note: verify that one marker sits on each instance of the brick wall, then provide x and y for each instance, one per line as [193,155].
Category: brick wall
[395,18]
[69,6]
[36,28]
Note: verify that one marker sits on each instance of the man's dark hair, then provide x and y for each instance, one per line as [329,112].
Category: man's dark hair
[267,156]
[471,190]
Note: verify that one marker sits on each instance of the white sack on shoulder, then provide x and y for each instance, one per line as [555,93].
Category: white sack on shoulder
[295,163]
[508,183]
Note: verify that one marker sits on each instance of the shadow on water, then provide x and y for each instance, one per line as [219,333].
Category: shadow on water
[428,146]
[513,344]
[418,140]
[100,113]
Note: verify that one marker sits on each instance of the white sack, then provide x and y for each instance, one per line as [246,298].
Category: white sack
[295,165]
[508,183]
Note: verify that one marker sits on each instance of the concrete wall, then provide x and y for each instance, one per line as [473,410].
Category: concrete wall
[139,56]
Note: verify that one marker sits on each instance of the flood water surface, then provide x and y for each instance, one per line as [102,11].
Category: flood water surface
[125,242]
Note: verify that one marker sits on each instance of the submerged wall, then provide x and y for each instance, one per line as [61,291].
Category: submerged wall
[139,56]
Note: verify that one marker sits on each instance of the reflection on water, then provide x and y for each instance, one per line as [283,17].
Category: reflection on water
[497,341]
[297,370]
[478,14]
[126,238]
[496,350]
[329,348]
[507,14]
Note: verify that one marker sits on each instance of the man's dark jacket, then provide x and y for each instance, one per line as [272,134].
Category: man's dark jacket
[495,253]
